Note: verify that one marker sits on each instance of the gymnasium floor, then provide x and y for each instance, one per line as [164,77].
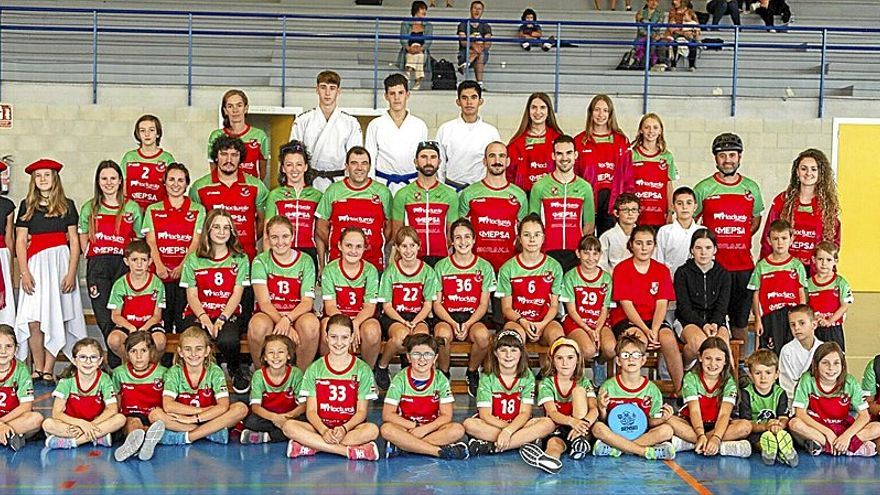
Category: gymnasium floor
[211,468]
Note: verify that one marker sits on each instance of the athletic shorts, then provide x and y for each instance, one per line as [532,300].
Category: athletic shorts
[567,258]
[569,325]
[776,330]
[834,333]
[740,305]
[153,329]
[622,326]
[385,322]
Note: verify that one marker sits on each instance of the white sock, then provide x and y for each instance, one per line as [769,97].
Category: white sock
[683,445]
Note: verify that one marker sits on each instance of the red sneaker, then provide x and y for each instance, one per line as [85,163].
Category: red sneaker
[365,452]
[296,449]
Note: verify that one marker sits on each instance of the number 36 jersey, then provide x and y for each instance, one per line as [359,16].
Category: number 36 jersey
[338,391]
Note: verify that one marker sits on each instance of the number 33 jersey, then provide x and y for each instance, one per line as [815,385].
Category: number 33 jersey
[338,390]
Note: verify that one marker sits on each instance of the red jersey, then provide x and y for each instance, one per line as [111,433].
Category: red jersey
[243,200]
[643,290]
[599,157]
[808,228]
[728,210]
[531,157]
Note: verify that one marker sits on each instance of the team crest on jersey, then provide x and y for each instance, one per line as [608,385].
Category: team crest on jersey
[646,402]
[655,288]
[844,400]
[235,269]
[154,295]
[663,164]
[478,278]
[512,199]
[290,393]
[603,289]
[793,274]
[128,217]
[548,277]
[253,143]
[158,384]
[94,293]
[160,167]
[748,195]
[190,216]
[287,193]
[376,199]
[417,196]
[554,190]
[766,415]
[246,192]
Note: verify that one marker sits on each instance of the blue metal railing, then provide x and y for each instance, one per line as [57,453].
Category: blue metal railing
[190,32]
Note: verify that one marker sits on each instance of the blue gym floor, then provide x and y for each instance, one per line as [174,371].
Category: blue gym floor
[233,468]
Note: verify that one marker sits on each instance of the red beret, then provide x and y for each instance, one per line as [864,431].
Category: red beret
[3,165]
[43,163]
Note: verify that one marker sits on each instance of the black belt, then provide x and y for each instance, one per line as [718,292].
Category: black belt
[329,174]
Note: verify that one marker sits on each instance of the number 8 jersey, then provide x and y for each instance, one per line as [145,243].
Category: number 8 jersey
[215,280]
[338,391]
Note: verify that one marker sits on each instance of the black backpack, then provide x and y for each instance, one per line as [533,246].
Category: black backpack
[442,74]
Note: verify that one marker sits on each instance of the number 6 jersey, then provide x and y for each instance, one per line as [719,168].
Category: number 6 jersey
[338,391]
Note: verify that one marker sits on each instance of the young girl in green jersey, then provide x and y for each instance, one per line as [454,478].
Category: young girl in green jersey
[417,415]
[407,290]
[709,392]
[140,381]
[830,414]
[336,389]
[195,403]
[569,400]
[143,169]
[18,420]
[274,390]
[85,408]
[504,403]
[586,292]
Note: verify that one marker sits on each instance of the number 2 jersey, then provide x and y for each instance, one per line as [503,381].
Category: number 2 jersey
[139,393]
[16,388]
[506,400]
[279,397]
[419,402]
[198,391]
[408,292]
[338,391]
[530,287]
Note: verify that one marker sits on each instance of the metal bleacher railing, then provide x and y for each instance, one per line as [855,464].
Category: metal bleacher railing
[104,46]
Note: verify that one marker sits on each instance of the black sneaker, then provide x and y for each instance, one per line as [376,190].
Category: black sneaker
[580,447]
[480,447]
[383,380]
[391,451]
[535,456]
[16,442]
[473,381]
[457,451]
[241,380]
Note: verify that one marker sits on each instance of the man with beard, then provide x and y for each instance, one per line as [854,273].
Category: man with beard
[565,203]
[427,205]
[356,201]
[494,207]
[730,205]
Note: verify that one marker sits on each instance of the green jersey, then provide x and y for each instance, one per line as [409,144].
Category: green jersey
[419,401]
[338,391]
[367,207]
[203,390]
[256,147]
[694,388]
[288,283]
[589,296]
[139,393]
[870,385]
[144,176]
[462,287]
[430,211]
[86,403]
[646,396]
[16,388]
[565,209]
[215,280]
[280,397]
[778,284]
[549,390]
[495,214]
[506,400]
[299,207]
[759,408]
[835,406]
[827,298]
[111,234]
[137,304]
[408,292]
[530,287]
[350,293]
[651,176]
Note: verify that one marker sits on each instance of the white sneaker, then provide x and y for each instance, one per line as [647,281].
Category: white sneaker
[681,445]
[738,448]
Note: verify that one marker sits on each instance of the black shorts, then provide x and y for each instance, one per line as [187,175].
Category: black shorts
[142,417]
[561,432]
[432,260]
[312,253]
[622,326]
[568,259]
[776,331]
[257,423]
[834,333]
[463,316]
[740,305]
[153,329]
[385,322]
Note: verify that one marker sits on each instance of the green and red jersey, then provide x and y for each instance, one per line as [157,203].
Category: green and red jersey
[430,211]
[778,283]
[826,299]
[565,208]
[287,284]
[139,393]
[531,287]
[215,280]
[350,292]
[137,304]
[110,236]
[643,290]
[419,402]
[694,388]
[462,287]
[174,229]
[280,397]
[549,390]
[494,214]
[835,406]
[338,391]
[727,210]
[16,388]
[506,400]
[244,199]
[203,390]
[408,292]
[367,207]
[299,207]
[256,147]
[144,176]
[870,384]
[652,174]
[646,396]
[85,403]
[590,296]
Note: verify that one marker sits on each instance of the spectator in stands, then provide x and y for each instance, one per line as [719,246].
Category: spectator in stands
[530,32]
[327,132]
[650,14]
[720,8]
[769,8]
[415,45]
[477,55]
[613,4]
[682,12]
[234,109]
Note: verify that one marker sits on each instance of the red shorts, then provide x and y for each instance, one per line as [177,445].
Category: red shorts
[569,325]
[838,427]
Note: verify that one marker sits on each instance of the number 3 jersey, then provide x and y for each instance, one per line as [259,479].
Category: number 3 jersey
[287,283]
[506,400]
[350,292]
[198,391]
[338,390]
[16,387]
[408,292]
[419,402]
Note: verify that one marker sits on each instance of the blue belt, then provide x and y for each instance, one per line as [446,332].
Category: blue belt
[396,178]
[458,186]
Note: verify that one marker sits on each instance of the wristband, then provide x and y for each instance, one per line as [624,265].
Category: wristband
[199,317]
[717,436]
[344,428]
[197,419]
[288,318]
